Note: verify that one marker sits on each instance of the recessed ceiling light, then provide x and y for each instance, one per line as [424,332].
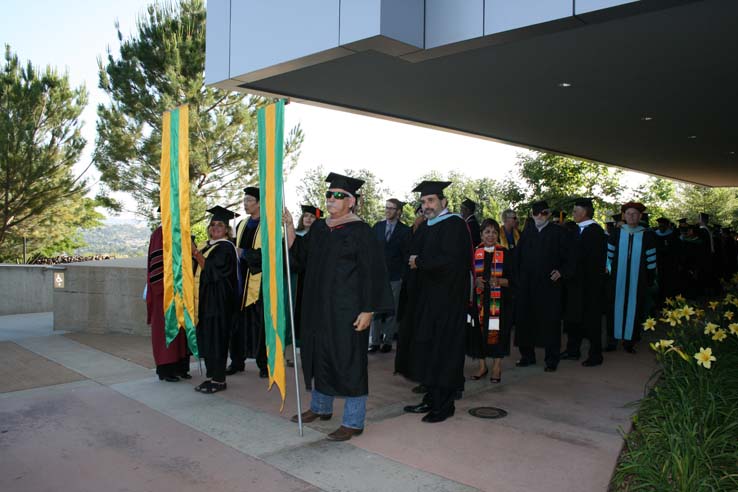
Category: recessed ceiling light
[732,152]
[564,84]
[646,118]
[692,137]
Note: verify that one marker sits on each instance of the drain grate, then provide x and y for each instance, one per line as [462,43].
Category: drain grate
[487,412]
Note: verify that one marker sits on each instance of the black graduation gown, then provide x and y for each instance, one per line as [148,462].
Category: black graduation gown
[667,261]
[476,234]
[218,300]
[406,309]
[538,299]
[344,275]
[586,289]
[634,294]
[440,307]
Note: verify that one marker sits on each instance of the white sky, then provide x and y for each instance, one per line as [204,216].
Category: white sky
[71,34]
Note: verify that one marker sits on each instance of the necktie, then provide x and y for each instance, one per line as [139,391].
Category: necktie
[388,232]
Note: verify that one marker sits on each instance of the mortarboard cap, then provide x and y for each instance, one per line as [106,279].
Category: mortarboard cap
[431,187]
[636,205]
[683,220]
[347,183]
[221,214]
[539,206]
[663,220]
[309,209]
[472,206]
[704,217]
[252,191]
[583,202]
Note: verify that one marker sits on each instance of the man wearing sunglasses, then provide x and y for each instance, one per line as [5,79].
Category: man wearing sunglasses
[442,259]
[345,284]
[543,257]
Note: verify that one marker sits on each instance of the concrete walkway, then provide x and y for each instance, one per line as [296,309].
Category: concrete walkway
[122,429]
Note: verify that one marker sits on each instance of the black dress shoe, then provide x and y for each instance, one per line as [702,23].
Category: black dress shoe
[525,363]
[592,363]
[433,417]
[186,375]
[263,372]
[231,370]
[419,408]
[385,348]
[373,349]
[630,349]
[549,369]
[566,355]
[169,379]
[420,389]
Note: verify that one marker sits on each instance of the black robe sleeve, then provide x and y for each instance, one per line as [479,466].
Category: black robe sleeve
[376,295]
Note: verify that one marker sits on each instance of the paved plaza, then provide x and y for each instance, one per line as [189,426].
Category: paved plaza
[84,412]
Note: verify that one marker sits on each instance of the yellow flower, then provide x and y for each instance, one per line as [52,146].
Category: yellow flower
[679,298]
[710,328]
[705,358]
[735,302]
[687,311]
[655,346]
[669,301]
[666,343]
[649,324]
[680,352]
[674,318]
[713,305]
[720,335]
[733,327]
[665,312]
[728,315]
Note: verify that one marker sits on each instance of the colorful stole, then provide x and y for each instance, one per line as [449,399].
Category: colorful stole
[488,265]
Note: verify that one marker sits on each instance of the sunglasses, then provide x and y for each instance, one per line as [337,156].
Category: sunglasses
[338,195]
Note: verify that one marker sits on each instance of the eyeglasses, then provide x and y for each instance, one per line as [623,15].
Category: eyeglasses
[338,195]
[390,208]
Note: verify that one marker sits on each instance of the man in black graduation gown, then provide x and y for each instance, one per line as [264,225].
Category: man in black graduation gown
[468,208]
[248,339]
[443,261]
[667,259]
[345,284]
[585,290]
[543,258]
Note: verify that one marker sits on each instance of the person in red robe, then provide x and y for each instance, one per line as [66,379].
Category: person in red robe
[173,362]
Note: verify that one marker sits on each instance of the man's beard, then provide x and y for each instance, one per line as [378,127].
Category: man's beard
[539,222]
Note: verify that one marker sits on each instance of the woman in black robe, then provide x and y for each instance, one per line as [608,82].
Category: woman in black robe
[217,299]
[488,334]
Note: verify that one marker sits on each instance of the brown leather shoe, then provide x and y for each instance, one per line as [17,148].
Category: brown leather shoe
[343,434]
[310,416]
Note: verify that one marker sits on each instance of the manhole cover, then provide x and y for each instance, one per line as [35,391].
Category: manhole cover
[487,412]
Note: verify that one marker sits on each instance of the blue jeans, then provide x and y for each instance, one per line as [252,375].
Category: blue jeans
[354,408]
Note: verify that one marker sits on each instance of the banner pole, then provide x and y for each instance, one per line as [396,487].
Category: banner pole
[292,322]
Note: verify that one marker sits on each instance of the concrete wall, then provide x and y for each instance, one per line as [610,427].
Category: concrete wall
[25,289]
[102,297]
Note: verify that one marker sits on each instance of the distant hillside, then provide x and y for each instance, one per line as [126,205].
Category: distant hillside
[116,239]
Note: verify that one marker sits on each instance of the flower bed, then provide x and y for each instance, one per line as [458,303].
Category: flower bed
[685,434]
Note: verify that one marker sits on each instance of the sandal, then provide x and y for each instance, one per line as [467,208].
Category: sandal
[480,376]
[201,387]
[214,387]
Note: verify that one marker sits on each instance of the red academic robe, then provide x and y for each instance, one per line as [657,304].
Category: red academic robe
[177,350]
